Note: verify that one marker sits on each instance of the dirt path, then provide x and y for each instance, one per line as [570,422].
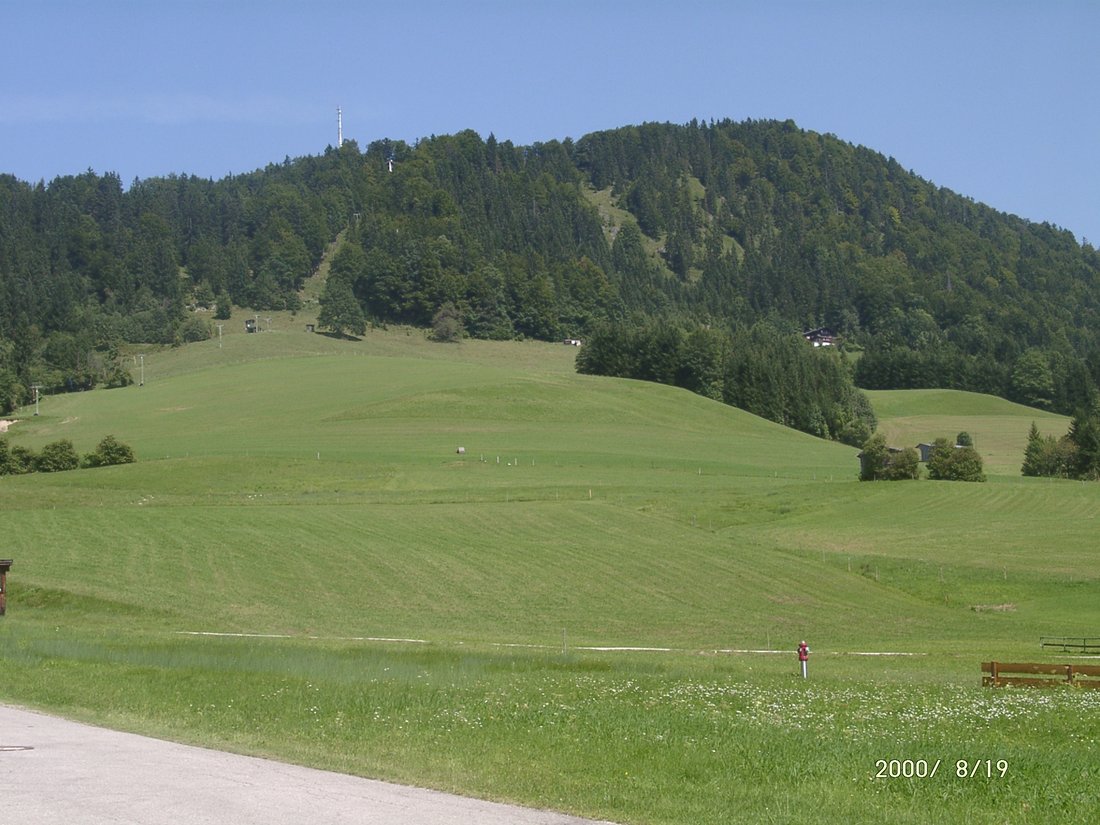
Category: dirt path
[53,771]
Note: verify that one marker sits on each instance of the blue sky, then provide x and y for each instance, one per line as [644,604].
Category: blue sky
[996,100]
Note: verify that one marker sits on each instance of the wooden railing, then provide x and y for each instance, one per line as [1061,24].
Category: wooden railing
[1077,644]
[1039,675]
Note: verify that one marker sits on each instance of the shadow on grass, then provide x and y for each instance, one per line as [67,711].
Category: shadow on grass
[338,336]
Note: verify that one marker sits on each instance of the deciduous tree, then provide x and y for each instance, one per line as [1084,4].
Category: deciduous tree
[880,463]
[447,324]
[340,310]
[952,463]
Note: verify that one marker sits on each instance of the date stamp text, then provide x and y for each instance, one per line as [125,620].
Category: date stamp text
[925,769]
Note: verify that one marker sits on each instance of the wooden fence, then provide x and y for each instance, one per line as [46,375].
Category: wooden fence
[1077,644]
[1040,675]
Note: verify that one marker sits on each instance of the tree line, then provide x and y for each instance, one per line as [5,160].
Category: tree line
[762,369]
[1075,455]
[59,456]
[717,224]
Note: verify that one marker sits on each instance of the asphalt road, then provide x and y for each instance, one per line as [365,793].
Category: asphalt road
[57,772]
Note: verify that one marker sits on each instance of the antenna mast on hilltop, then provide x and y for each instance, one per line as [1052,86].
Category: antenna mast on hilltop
[339,127]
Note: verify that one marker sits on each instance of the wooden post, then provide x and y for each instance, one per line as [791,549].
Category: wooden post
[5,565]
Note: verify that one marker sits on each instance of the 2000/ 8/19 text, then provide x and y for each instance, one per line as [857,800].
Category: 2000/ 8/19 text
[923,769]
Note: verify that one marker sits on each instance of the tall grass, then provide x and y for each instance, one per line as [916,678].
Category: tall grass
[658,739]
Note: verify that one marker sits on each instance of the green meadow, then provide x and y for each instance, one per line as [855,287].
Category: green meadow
[593,608]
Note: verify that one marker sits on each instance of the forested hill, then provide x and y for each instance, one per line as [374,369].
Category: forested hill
[718,224]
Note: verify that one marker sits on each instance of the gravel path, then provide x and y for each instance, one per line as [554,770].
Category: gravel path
[56,772]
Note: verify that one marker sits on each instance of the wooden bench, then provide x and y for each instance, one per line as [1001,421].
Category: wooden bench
[1039,675]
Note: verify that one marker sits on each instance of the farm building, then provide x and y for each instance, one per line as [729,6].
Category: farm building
[820,337]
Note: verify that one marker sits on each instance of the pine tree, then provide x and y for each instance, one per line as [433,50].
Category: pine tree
[1033,453]
[1084,434]
[1048,456]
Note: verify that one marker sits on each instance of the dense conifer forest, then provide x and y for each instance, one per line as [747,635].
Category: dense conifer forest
[727,227]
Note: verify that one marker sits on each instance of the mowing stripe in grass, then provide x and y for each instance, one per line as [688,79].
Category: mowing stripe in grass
[590,648]
[288,636]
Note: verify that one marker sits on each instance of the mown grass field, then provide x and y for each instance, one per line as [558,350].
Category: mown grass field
[307,493]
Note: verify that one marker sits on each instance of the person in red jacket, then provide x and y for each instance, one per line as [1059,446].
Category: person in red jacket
[803,656]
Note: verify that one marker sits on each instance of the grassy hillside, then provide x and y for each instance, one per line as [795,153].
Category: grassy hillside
[309,491]
[576,493]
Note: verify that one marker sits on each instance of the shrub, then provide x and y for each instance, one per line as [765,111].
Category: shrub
[881,463]
[109,451]
[195,329]
[902,465]
[57,457]
[225,309]
[447,324]
[953,463]
[14,460]
[21,461]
